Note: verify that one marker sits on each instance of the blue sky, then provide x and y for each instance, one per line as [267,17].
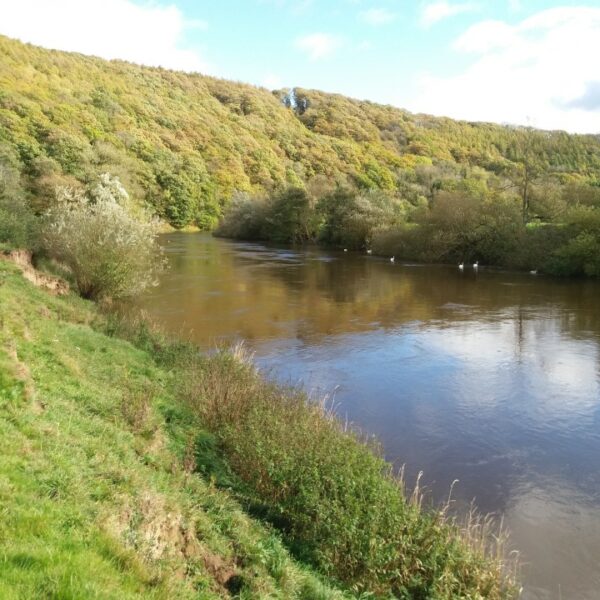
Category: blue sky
[527,61]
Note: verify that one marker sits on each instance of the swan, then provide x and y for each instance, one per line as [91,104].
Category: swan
[476,264]
[369,251]
[345,249]
[533,272]
[393,259]
[461,266]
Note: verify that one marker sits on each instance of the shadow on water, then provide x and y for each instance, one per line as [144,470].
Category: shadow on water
[492,378]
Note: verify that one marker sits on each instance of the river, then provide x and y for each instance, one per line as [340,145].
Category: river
[491,378]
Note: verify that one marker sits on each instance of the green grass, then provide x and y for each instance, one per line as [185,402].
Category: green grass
[144,469]
[336,501]
[100,495]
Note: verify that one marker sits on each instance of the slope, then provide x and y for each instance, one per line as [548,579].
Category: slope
[185,142]
[98,493]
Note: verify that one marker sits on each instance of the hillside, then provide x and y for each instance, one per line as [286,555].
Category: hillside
[185,142]
[100,494]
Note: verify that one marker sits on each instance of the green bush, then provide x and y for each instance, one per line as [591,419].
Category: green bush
[332,495]
[579,251]
[290,217]
[111,251]
[458,227]
[349,218]
[17,221]
[244,218]
[579,256]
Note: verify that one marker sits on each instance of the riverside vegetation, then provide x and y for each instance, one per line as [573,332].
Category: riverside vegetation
[135,466]
[294,165]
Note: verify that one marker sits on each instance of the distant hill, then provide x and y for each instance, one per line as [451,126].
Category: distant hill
[185,142]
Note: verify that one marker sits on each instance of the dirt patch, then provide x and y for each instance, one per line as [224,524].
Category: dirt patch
[156,444]
[22,258]
[165,533]
[21,371]
[159,533]
[221,572]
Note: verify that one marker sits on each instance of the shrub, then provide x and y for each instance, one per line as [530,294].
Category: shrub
[332,495]
[350,218]
[579,256]
[577,252]
[291,218]
[244,218]
[17,221]
[287,217]
[111,251]
[458,227]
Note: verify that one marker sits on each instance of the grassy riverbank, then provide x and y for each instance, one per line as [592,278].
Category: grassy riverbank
[136,467]
[98,485]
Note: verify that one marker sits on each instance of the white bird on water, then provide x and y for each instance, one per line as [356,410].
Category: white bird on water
[461,266]
[476,264]
[533,272]
[345,249]
[393,259]
[369,251]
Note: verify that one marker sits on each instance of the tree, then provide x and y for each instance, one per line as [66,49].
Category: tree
[528,168]
[291,217]
[110,251]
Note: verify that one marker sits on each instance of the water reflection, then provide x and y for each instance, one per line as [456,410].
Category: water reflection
[491,378]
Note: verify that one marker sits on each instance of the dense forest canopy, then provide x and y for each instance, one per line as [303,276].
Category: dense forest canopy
[185,143]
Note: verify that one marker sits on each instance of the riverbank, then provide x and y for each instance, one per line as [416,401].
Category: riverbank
[99,487]
[133,464]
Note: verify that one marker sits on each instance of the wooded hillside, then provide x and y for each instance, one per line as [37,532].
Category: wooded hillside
[185,142]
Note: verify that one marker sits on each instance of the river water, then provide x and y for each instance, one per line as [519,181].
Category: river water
[490,378]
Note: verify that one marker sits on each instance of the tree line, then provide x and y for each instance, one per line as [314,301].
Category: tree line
[441,214]
[184,144]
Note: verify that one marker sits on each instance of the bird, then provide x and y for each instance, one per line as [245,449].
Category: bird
[345,249]
[476,264]
[393,259]
[369,251]
[533,272]
[461,266]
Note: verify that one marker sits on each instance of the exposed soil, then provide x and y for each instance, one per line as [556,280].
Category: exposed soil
[22,258]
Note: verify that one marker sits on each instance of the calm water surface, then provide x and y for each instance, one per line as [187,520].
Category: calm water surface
[489,378]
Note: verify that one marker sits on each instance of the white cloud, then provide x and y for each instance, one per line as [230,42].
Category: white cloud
[437,11]
[515,5]
[543,68]
[272,81]
[319,45]
[150,33]
[377,16]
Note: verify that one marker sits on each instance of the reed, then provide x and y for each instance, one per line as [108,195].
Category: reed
[337,502]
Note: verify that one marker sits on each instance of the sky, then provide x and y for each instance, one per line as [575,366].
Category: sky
[527,62]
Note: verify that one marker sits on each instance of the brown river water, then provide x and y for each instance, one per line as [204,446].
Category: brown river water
[491,378]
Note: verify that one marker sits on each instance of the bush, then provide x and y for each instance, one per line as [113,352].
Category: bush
[17,221]
[579,256]
[579,253]
[244,218]
[287,217]
[110,251]
[290,218]
[458,227]
[350,218]
[333,497]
